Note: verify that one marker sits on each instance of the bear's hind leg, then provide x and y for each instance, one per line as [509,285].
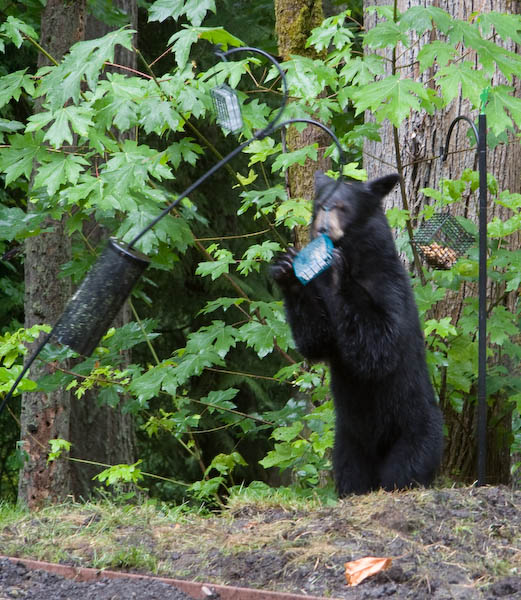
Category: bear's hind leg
[409,463]
[353,469]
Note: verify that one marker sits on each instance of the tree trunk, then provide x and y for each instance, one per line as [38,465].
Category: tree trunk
[97,433]
[294,20]
[46,416]
[101,433]
[419,141]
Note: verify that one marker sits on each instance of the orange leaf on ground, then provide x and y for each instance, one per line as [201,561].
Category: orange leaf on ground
[358,570]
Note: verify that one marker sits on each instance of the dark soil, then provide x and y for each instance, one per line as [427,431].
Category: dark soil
[462,544]
[16,581]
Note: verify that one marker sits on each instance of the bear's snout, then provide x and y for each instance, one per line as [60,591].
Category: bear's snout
[327,222]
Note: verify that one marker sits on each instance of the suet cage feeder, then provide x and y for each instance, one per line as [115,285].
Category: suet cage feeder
[441,240]
[313,259]
[227,108]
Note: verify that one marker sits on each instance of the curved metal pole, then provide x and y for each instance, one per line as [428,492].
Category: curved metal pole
[341,155]
[449,134]
[481,138]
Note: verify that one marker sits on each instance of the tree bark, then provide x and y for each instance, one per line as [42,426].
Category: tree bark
[46,416]
[294,20]
[416,148]
[97,433]
[101,433]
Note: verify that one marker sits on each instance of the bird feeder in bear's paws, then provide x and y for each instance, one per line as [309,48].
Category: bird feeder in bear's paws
[441,240]
[313,259]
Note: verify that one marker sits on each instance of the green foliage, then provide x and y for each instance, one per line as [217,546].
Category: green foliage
[57,447]
[12,350]
[234,370]
[118,474]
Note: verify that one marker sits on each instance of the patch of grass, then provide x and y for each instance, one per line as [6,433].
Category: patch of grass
[290,498]
[10,513]
[133,558]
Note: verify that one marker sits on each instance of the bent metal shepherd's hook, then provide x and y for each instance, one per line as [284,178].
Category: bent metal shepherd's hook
[86,308]
[481,139]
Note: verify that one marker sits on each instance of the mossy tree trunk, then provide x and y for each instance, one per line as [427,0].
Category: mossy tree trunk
[102,433]
[46,416]
[294,21]
[418,141]
[97,433]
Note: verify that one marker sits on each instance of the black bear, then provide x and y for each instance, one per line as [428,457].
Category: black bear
[359,315]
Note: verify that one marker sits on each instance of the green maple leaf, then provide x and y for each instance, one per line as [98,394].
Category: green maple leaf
[259,337]
[360,71]
[501,100]
[214,268]
[439,51]
[423,18]
[193,364]
[15,223]
[182,40]
[18,159]
[506,25]
[331,33]
[83,63]
[66,120]
[386,34]
[158,115]
[307,78]
[285,160]
[14,29]
[491,56]
[221,303]
[501,325]
[185,150]
[390,98]
[62,168]
[464,76]
[221,398]
[224,340]
[195,10]
[11,86]
[465,33]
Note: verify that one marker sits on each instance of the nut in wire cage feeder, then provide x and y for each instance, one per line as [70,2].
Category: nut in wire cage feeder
[441,240]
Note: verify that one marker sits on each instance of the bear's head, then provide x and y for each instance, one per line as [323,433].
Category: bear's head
[341,207]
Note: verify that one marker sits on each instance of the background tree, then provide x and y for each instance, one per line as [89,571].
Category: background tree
[414,149]
[97,433]
[294,21]
[46,416]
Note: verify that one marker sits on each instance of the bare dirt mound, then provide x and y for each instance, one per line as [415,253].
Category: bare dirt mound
[444,544]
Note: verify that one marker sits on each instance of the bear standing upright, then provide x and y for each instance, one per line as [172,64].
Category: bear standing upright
[359,315]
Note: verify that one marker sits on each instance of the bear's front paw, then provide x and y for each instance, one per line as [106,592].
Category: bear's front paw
[282,269]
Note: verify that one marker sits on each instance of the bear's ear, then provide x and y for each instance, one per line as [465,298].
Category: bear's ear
[321,181]
[383,185]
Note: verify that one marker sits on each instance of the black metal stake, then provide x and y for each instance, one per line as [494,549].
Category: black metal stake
[482,311]
[481,138]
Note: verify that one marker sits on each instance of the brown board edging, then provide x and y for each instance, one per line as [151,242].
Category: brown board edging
[197,591]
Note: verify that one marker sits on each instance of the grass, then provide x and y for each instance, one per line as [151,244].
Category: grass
[277,538]
[102,534]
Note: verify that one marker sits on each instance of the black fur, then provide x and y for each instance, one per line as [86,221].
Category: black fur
[360,316]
